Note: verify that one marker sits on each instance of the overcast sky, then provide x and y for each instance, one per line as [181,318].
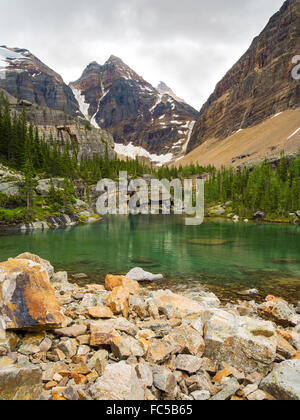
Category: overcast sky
[189,44]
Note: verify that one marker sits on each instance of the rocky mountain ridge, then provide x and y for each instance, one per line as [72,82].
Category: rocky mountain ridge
[258,86]
[23,75]
[143,120]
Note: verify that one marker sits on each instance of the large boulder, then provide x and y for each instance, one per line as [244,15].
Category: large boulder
[27,299]
[44,185]
[20,383]
[259,215]
[283,383]
[244,343]
[10,188]
[119,382]
[138,274]
[35,258]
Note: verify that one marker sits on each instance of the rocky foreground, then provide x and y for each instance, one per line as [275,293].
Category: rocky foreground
[59,341]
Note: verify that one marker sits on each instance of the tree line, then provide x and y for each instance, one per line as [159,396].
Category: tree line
[273,190]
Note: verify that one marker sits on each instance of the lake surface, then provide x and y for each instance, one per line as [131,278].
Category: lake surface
[224,256]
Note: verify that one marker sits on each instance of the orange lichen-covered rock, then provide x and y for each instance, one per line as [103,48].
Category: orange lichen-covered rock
[111,282]
[100,312]
[221,375]
[27,299]
[118,301]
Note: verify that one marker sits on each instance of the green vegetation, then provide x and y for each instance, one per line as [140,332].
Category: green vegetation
[275,191]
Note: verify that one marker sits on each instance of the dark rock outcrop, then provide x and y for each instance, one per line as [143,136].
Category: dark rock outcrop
[259,85]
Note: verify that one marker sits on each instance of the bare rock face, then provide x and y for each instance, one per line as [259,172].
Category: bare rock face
[259,85]
[66,128]
[27,78]
[27,299]
[113,97]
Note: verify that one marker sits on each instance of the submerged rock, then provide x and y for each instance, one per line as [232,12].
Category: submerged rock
[138,274]
[27,299]
[208,242]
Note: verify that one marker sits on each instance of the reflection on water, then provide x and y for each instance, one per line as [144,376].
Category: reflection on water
[224,256]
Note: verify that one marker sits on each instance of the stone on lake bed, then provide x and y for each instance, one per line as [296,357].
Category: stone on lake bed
[208,242]
[138,274]
[141,261]
[80,276]
[285,261]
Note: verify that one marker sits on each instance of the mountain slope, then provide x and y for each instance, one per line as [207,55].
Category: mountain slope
[142,120]
[258,87]
[23,75]
[279,133]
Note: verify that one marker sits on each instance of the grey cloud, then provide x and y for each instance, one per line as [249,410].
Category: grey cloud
[188,44]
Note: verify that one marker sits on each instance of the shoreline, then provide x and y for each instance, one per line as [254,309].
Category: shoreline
[159,344]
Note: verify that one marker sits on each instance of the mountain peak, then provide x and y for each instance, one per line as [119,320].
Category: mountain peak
[164,89]
[113,59]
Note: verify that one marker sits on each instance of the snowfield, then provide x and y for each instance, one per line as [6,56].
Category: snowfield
[83,106]
[132,152]
[7,56]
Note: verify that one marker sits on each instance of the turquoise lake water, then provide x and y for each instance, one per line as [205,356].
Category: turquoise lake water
[224,256]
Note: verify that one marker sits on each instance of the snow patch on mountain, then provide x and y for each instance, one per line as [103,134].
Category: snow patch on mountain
[83,106]
[292,135]
[132,152]
[7,56]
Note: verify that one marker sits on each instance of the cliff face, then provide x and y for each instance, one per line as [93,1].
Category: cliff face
[115,98]
[66,129]
[23,75]
[259,85]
